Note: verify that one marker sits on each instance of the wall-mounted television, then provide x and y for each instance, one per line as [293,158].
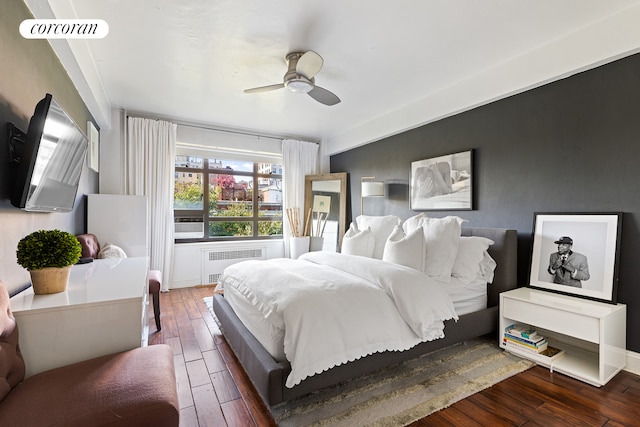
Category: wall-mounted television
[52,160]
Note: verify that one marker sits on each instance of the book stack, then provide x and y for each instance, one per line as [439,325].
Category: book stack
[524,338]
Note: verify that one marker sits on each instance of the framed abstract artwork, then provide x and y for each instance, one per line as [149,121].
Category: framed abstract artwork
[93,154]
[443,183]
[577,254]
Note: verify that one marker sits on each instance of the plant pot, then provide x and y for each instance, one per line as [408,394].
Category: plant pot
[316,243]
[50,280]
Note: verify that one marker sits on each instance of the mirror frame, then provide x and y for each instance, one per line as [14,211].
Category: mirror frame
[308,198]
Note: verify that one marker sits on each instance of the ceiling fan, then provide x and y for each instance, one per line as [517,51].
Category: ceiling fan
[299,78]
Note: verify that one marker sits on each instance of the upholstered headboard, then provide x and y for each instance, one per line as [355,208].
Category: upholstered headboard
[504,252]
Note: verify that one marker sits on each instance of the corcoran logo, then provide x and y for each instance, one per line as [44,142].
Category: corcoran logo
[64,29]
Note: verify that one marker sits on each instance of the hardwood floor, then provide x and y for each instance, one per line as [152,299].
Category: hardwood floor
[214,390]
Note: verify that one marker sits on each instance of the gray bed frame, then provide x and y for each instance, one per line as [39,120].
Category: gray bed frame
[268,376]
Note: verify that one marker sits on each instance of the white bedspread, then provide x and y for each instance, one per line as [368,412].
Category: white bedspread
[336,308]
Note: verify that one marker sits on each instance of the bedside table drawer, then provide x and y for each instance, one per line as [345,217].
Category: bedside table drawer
[580,326]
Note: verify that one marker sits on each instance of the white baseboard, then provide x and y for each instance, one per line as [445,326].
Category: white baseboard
[633,362]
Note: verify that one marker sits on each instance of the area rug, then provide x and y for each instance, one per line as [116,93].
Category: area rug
[403,393]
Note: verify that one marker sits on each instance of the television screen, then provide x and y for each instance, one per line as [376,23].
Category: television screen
[50,168]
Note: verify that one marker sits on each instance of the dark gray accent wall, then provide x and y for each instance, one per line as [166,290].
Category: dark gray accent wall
[569,146]
[30,69]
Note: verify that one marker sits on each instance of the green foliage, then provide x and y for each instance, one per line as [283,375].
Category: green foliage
[187,195]
[235,229]
[270,228]
[48,248]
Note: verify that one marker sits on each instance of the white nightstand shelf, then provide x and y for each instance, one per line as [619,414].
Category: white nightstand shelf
[591,333]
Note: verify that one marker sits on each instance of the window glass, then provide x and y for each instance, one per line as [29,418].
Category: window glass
[217,199]
[269,169]
[270,197]
[189,162]
[270,228]
[230,229]
[188,192]
[230,195]
[234,165]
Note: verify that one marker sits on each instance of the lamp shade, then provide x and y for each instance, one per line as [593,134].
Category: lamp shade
[372,189]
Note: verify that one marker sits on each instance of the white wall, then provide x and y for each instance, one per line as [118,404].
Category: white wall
[111,155]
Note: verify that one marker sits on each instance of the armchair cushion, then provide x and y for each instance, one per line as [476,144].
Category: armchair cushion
[12,367]
[90,245]
[136,387]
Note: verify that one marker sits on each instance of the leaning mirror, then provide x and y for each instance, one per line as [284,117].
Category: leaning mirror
[326,199]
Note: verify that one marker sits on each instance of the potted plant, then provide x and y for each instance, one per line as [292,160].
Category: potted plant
[49,255]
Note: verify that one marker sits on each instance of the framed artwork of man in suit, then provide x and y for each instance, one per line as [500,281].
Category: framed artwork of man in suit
[576,254]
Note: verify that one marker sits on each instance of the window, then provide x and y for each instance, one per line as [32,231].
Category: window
[218,199]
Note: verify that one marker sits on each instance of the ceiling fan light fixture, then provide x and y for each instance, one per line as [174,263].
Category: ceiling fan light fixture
[299,85]
[300,78]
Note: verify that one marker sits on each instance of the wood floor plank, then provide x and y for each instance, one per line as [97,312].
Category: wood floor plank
[509,394]
[207,406]
[620,407]
[565,400]
[458,418]
[214,361]
[185,397]
[214,389]
[175,344]
[225,386]
[483,416]
[188,417]
[488,411]
[202,334]
[192,302]
[252,399]
[198,373]
[190,345]
[237,414]
[555,413]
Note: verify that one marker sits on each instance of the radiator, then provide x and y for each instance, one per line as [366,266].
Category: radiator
[214,261]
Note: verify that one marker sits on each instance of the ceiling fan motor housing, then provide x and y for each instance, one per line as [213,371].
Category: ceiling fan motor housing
[294,81]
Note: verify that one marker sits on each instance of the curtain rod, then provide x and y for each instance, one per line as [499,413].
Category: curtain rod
[206,127]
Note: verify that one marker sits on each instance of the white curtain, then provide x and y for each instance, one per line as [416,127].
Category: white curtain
[150,154]
[299,158]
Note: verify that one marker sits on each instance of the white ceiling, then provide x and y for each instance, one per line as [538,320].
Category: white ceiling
[395,65]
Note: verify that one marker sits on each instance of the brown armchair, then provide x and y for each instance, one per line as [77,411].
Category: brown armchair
[91,248]
[132,388]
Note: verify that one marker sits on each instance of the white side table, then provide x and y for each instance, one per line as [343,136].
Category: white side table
[103,311]
[592,334]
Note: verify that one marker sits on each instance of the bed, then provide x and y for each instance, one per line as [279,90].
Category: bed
[269,373]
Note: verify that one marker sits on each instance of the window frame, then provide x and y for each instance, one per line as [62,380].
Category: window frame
[204,212]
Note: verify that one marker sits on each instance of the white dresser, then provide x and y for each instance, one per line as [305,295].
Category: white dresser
[103,311]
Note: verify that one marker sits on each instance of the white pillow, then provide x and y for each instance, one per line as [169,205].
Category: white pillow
[471,251]
[407,250]
[487,268]
[381,228]
[411,224]
[357,242]
[441,236]
[109,250]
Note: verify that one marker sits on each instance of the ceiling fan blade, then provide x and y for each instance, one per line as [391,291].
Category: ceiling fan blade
[309,64]
[323,96]
[264,88]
